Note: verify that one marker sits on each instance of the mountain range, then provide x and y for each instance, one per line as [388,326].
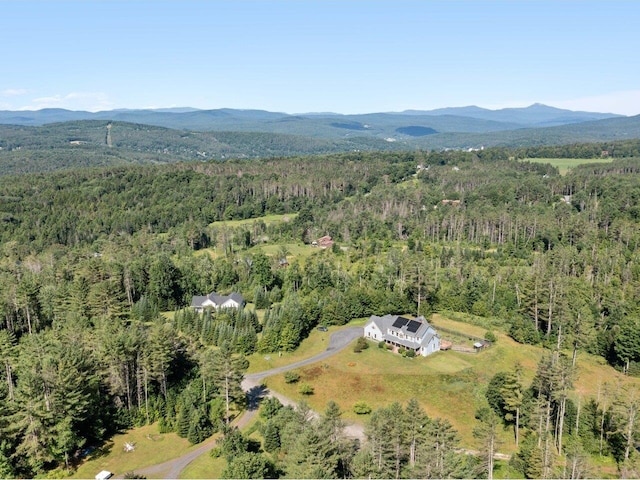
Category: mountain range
[456,119]
[79,138]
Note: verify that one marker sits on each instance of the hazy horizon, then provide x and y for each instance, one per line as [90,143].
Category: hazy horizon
[320,55]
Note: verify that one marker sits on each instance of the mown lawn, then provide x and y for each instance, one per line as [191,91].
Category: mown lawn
[205,466]
[151,448]
[315,343]
[566,164]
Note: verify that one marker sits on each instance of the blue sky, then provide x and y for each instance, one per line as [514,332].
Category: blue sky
[343,56]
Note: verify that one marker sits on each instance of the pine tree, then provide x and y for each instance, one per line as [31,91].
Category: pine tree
[436,457]
[8,357]
[183,423]
[416,424]
[227,371]
[513,397]
[250,465]
[271,437]
[487,432]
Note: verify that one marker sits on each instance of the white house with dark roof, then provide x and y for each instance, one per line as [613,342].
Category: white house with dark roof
[214,300]
[415,334]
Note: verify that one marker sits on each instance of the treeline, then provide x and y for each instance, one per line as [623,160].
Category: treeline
[617,149]
[558,436]
[401,442]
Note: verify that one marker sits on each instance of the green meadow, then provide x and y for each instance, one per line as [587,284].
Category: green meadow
[448,384]
[566,164]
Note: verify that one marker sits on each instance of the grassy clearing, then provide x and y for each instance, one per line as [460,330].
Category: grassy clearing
[566,164]
[297,251]
[151,448]
[205,466]
[267,219]
[448,384]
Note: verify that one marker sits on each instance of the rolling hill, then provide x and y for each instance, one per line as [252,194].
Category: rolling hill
[52,139]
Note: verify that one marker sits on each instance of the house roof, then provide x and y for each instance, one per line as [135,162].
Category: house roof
[198,300]
[417,328]
[216,299]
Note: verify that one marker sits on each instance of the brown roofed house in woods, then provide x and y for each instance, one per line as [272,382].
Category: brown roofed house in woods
[325,242]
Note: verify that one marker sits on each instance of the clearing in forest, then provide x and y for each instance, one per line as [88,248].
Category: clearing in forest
[448,384]
[566,164]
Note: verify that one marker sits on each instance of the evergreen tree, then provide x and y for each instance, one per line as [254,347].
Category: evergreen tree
[227,371]
[250,465]
[436,456]
[487,433]
[513,397]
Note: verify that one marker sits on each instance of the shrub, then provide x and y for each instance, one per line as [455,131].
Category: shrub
[361,344]
[382,344]
[523,331]
[133,475]
[410,353]
[490,336]
[361,408]
[291,377]
[306,389]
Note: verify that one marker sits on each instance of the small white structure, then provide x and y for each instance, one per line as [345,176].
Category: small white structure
[213,300]
[104,475]
[417,334]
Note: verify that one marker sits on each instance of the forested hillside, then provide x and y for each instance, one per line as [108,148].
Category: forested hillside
[90,257]
[63,146]
[92,143]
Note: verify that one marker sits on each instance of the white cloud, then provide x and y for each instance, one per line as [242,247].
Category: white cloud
[14,92]
[89,101]
[622,102]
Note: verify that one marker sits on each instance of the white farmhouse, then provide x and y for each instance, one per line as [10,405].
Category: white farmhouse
[213,300]
[416,335]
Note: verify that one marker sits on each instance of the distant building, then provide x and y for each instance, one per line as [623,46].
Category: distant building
[214,300]
[417,334]
[324,242]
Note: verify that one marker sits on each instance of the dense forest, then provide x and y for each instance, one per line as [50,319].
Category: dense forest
[90,258]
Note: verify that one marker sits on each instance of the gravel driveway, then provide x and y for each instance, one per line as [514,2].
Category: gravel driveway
[252,385]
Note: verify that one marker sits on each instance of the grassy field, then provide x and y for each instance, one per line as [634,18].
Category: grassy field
[267,219]
[566,164]
[297,251]
[205,467]
[448,384]
[151,448]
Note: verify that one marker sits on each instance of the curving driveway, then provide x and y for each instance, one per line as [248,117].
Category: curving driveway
[252,385]
[337,342]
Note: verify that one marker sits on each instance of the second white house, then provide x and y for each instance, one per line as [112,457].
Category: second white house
[414,334]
